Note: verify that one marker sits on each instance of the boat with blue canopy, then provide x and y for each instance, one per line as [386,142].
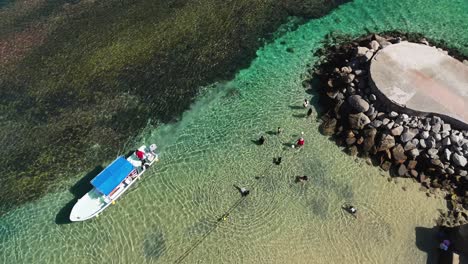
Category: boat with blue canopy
[112,182]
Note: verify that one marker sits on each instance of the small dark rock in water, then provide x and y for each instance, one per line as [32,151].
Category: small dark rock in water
[353,151]
[350,141]
[386,165]
[403,188]
[402,170]
[290,50]
[328,126]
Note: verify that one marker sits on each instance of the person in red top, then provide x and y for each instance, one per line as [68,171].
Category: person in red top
[140,155]
[300,142]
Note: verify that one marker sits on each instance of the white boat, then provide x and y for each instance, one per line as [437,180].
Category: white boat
[112,182]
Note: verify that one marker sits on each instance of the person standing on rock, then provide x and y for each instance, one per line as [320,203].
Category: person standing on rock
[306,103]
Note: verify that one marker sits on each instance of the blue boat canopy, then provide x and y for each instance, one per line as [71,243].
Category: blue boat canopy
[113,175]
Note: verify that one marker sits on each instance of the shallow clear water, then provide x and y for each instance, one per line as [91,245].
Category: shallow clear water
[171,216]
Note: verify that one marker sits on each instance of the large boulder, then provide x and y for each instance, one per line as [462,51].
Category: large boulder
[328,126]
[386,165]
[459,160]
[358,121]
[385,142]
[358,104]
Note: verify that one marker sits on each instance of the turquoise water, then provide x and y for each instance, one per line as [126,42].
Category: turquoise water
[177,203]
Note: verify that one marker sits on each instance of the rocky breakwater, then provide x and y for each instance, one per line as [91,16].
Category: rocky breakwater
[421,147]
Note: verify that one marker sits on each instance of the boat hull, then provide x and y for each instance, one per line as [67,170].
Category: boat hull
[94,202]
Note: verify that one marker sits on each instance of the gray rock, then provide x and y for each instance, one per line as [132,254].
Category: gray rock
[369,55]
[370,111]
[424,41]
[431,142]
[385,121]
[358,104]
[444,134]
[459,160]
[446,141]
[422,143]
[436,128]
[376,123]
[437,137]
[424,134]
[446,127]
[382,41]
[358,121]
[348,78]
[393,114]
[328,126]
[463,173]
[346,69]
[359,72]
[436,120]
[432,152]
[408,134]
[369,139]
[402,170]
[386,142]
[450,171]
[350,140]
[374,45]
[398,154]
[390,125]
[396,131]
[361,51]
[465,147]
[409,146]
[372,97]
[380,115]
[414,153]
[447,154]
[427,127]
[437,162]
[455,139]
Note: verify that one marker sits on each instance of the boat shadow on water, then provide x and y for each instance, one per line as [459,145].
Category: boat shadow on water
[78,190]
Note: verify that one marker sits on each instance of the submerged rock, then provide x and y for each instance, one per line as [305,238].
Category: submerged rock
[328,126]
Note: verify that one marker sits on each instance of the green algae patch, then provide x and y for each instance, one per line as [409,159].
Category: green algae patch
[104,68]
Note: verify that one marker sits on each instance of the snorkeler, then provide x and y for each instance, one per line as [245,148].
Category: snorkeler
[261,140]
